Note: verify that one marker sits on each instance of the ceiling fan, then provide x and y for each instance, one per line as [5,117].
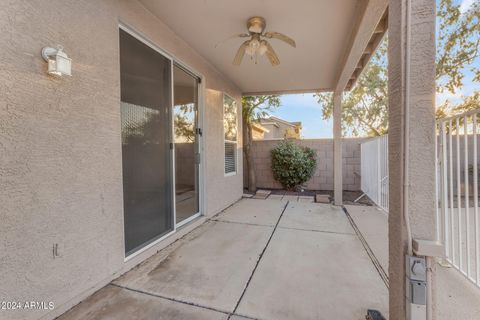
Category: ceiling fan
[257,44]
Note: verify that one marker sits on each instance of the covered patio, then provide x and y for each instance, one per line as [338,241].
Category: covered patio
[258,259]
[68,208]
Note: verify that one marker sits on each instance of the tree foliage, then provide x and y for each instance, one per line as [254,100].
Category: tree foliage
[253,109]
[184,123]
[257,107]
[458,44]
[469,103]
[365,107]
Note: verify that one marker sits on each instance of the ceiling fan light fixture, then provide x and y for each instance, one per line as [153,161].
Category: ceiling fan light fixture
[254,44]
[262,49]
[258,45]
[250,50]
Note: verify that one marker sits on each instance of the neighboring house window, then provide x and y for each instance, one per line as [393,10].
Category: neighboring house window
[230,130]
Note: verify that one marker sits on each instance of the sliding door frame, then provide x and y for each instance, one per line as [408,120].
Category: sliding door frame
[201,140]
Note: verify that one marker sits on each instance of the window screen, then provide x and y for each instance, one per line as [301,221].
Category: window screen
[145,81]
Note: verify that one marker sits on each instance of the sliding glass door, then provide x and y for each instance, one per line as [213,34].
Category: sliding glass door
[146,100]
[160,143]
[187,155]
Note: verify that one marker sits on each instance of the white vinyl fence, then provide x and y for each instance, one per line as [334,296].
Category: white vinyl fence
[374,170]
[458,215]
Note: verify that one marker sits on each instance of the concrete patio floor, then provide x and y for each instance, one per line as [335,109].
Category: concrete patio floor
[259,259]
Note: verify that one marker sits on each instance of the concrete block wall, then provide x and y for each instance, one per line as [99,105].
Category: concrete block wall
[323,177]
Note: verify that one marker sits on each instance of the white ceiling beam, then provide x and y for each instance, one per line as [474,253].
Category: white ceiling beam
[361,37]
[280,92]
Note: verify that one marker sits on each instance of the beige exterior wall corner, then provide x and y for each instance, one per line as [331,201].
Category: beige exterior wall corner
[411,83]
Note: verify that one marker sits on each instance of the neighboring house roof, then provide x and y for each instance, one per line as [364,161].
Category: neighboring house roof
[269,123]
[272,120]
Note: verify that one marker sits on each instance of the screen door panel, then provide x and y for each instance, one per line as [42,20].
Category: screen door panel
[187,157]
[146,124]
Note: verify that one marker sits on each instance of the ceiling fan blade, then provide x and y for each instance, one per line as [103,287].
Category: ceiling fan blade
[238,35]
[240,53]
[280,36]
[271,55]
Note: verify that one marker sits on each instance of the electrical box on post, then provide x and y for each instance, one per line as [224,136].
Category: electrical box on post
[416,278]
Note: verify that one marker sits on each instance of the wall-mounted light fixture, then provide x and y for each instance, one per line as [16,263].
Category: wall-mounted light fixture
[58,62]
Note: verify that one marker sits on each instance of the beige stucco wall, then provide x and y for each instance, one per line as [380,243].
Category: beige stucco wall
[60,148]
[323,177]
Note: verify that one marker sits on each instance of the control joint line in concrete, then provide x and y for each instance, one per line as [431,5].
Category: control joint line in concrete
[246,223]
[172,299]
[258,261]
[313,230]
[373,258]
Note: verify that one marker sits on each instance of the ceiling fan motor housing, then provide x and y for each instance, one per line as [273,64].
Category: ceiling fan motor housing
[256,25]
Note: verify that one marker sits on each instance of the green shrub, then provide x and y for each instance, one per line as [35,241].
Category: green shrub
[292,165]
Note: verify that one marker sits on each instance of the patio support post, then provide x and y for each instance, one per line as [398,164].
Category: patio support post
[337,148]
[411,87]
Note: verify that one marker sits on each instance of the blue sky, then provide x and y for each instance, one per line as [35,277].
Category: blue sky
[304,107]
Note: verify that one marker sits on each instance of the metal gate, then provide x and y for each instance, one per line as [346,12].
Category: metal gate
[374,170]
[458,222]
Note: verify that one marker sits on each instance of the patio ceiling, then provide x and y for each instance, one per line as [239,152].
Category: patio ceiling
[334,39]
